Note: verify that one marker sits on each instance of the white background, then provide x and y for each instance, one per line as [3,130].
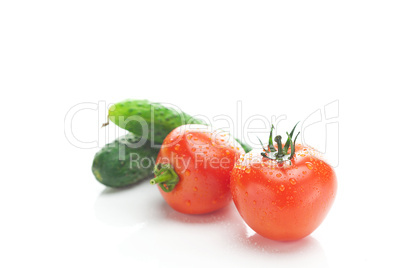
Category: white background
[288,58]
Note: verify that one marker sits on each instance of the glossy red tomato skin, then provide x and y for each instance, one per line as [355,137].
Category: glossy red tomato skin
[283,201]
[203,160]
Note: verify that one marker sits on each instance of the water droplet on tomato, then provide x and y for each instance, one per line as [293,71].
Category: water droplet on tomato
[254,202]
[247,170]
[282,187]
[246,193]
[227,152]
[189,136]
[279,175]
[309,165]
[187,172]
[188,203]
[196,179]
[292,181]
[193,149]
[177,147]
[195,189]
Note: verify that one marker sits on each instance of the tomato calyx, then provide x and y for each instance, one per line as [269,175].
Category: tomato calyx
[282,153]
[166,177]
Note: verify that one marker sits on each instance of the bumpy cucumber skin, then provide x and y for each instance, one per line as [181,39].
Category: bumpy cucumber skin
[129,113]
[165,119]
[113,172]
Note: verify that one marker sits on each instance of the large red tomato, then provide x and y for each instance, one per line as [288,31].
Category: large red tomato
[283,193]
[193,169]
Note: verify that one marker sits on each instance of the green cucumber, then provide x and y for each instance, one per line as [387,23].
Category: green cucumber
[119,164]
[153,120]
[146,119]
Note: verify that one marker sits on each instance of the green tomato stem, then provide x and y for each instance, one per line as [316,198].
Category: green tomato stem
[278,140]
[166,177]
[287,144]
[282,152]
[270,143]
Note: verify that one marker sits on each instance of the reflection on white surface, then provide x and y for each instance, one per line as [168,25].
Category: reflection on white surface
[158,236]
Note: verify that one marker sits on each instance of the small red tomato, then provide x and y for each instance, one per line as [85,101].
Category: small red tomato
[283,193]
[193,168]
